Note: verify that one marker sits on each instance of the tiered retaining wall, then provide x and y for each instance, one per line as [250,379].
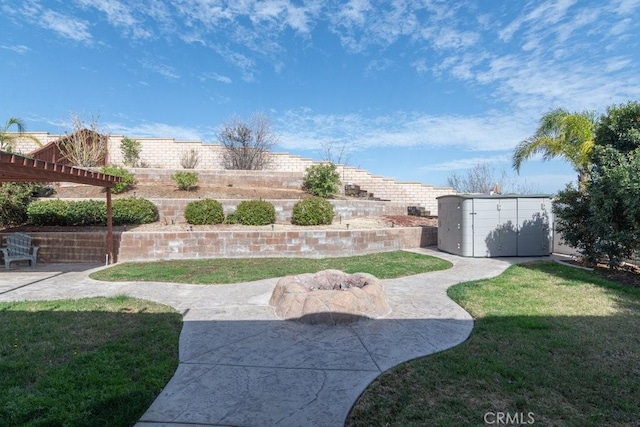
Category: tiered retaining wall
[166,153]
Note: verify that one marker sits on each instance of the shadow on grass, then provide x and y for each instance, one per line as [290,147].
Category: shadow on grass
[564,369]
[83,367]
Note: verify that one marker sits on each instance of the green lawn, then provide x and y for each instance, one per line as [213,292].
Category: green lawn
[95,361]
[229,270]
[555,345]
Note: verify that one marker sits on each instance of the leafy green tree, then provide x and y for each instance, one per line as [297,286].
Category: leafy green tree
[561,134]
[602,218]
[614,191]
[322,180]
[620,127]
[130,149]
[7,139]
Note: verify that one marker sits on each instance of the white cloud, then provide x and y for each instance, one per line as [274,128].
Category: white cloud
[465,163]
[155,130]
[65,25]
[162,69]
[19,48]
[119,15]
[493,132]
[215,77]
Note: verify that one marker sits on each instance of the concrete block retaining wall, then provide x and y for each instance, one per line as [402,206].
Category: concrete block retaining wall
[173,209]
[148,246]
[70,246]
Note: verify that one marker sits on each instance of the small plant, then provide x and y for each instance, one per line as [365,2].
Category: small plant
[128,179]
[205,211]
[189,159]
[130,149]
[253,212]
[312,211]
[321,180]
[186,181]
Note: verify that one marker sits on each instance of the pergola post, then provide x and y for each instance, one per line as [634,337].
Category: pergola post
[109,228]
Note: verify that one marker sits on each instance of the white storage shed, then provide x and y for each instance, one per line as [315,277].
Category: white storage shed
[477,225]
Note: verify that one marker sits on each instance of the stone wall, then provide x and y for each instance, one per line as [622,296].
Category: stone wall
[146,246]
[70,246]
[91,247]
[165,153]
[172,210]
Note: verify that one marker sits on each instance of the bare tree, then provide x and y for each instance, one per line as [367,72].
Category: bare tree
[189,159]
[336,153]
[247,145]
[85,146]
[482,178]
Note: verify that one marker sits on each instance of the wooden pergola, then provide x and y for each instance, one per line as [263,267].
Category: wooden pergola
[15,168]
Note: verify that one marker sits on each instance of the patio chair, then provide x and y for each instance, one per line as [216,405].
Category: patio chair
[19,248]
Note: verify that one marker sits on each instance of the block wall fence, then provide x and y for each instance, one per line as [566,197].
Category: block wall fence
[166,153]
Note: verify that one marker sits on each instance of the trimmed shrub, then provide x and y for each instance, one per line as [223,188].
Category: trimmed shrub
[128,180]
[86,212]
[205,211]
[321,180]
[186,180]
[253,212]
[49,212]
[134,210]
[312,211]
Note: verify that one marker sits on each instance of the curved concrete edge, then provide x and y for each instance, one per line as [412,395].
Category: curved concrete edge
[241,365]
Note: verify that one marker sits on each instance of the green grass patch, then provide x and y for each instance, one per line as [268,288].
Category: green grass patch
[94,361]
[383,265]
[555,343]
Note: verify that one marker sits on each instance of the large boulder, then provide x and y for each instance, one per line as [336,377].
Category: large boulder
[330,296]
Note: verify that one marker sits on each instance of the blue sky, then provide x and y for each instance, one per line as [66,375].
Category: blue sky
[416,90]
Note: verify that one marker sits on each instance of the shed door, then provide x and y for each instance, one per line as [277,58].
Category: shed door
[534,224]
[495,230]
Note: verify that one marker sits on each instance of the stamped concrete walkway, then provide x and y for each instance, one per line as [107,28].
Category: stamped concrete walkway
[242,366]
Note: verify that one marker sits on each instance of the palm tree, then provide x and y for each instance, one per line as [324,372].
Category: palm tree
[561,134]
[7,139]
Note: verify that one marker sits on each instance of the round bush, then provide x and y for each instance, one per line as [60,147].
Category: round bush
[206,211]
[186,181]
[312,211]
[322,180]
[134,210]
[127,178]
[253,212]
